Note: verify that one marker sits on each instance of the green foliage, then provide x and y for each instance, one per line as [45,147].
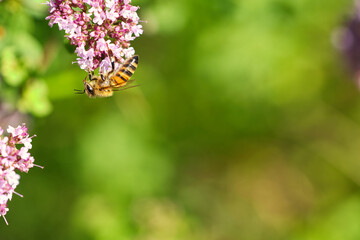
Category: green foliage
[13,74]
[21,59]
[344,217]
[34,99]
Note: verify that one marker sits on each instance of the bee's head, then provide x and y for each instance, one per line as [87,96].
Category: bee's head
[89,88]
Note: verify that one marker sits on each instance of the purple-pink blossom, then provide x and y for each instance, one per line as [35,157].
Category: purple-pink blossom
[95,27]
[13,157]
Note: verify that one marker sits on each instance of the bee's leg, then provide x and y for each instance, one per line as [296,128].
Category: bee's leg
[90,76]
[111,58]
[113,66]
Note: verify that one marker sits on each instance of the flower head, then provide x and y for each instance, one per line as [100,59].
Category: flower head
[95,25]
[12,158]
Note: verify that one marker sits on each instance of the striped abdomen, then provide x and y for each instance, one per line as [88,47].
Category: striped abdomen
[125,72]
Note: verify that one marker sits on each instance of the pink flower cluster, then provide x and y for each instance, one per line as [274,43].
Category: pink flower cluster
[95,27]
[12,158]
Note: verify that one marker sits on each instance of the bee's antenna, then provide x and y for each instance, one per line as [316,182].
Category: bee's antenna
[77,91]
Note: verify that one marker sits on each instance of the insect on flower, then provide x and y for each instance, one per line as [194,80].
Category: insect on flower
[105,84]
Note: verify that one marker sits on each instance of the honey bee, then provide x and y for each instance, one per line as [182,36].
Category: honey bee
[105,84]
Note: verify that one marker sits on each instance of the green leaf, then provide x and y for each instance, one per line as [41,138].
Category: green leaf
[12,71]
[29,49]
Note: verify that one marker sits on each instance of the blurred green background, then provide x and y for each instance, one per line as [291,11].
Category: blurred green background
[246,126]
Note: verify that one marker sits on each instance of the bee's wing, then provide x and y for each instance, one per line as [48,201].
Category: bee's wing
[124,88]
[121,85]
